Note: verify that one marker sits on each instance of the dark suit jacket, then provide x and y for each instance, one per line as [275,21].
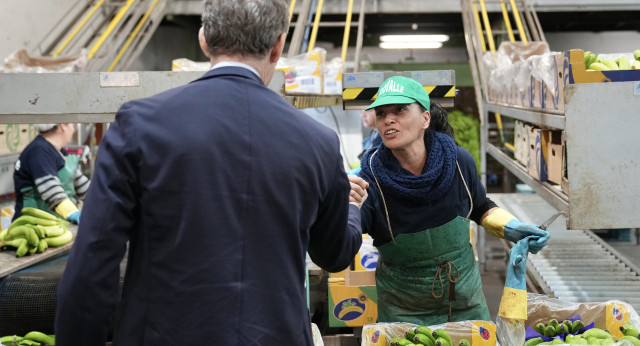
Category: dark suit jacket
[221,187]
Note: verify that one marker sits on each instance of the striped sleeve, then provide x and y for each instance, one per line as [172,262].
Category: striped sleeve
[81,184]
[51,191]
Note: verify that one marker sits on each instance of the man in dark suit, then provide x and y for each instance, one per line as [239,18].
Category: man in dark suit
[221,188]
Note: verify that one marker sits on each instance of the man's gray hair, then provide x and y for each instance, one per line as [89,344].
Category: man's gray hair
[244,27]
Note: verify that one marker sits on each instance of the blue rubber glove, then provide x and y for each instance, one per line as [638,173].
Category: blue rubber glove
[513,304]
[515,230]
[517,270]
[354,171]
[74,217]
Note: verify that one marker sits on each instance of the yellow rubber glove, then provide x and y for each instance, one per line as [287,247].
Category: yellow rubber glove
[66,208]
[504,225]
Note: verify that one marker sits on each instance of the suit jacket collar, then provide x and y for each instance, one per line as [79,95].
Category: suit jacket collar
[230,71]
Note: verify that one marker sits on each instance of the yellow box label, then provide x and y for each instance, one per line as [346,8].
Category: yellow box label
[483,333]
[352,306]
[617,315]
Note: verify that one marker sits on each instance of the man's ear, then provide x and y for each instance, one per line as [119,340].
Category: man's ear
[276,51]
[203,42]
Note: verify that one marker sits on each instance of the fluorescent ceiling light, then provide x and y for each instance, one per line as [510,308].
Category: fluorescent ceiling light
[414,38]
[410,45]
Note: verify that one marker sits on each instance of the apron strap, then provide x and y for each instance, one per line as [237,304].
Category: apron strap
[451,283]
[468,193]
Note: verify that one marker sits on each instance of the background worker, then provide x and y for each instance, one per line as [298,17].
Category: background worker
[370,141]
[424,189]
[46,178]
[221,187]
[373,139]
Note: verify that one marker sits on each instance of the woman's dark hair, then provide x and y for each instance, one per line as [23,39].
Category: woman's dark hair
[439,120]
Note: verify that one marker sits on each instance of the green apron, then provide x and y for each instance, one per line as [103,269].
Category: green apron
[430,277]
[31,197]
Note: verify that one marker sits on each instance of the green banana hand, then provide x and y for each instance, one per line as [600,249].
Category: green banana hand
[60,240]
[629,330]
[22,232]
[38,213]
[41,338]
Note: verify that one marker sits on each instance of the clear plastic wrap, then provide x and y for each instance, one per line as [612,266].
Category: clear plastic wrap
[332,76]
[476,332]
[542,69]
[607,315]
[302,72]
[21,62]
[317,337]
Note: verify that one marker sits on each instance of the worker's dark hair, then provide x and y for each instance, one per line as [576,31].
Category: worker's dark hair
[439,120]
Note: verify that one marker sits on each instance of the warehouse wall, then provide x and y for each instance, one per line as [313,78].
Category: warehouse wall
[24,23]
[597,42]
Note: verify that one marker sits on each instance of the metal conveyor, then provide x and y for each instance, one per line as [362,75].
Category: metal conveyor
[576,266]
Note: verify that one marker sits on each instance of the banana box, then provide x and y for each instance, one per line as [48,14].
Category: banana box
[365,260]
[477,333]
[351,306]
[11,139]
[608,315]
[575,72]
[538,154]
[555,155]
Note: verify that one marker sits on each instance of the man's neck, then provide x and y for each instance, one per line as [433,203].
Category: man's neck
[258,65]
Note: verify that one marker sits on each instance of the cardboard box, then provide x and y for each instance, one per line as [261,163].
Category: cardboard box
[478,333]
[366,259]
[555,100]
[554,159]
[10,139]
[609,315]
[352,306]
[521,143]
[537,166]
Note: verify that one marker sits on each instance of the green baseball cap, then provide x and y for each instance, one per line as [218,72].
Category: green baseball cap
[401,90]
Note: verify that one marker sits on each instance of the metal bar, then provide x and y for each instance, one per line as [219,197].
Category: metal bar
[79,27]
[487,27]
[356,57]
[549,119]
[535,34]
[314,31]
[507,22]
[550,194]
[347,27]
[291,6]
[110,28]
[298,31]
[132,35]
[516,15]
[141,40]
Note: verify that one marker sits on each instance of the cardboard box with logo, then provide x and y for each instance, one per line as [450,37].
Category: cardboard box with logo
[538,153]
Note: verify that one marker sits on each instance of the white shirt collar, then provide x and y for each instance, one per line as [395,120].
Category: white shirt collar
[236,64]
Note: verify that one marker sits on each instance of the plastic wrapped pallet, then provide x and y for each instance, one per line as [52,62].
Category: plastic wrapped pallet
[302,73]
[478,333]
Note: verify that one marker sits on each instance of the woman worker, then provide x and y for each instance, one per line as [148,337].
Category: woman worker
[46,178]
[423,190]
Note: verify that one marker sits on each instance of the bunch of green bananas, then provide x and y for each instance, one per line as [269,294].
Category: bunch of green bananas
[35,231]
[30,339]
[593,63]
[423,335]
[593,336]
[553,327]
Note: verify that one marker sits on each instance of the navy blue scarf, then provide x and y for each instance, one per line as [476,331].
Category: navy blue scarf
[397,182]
